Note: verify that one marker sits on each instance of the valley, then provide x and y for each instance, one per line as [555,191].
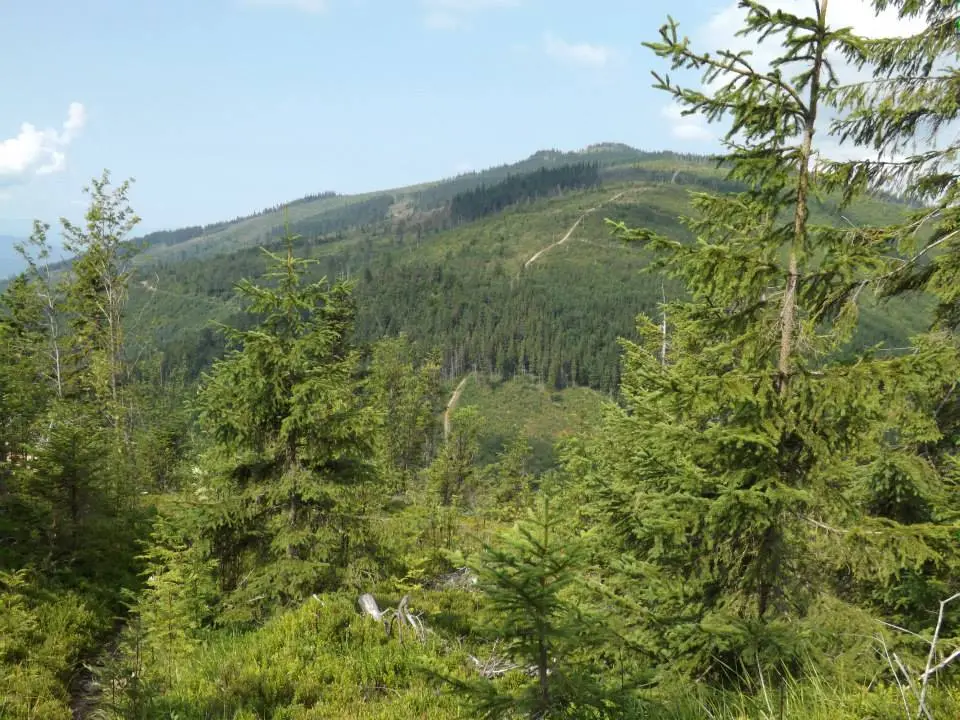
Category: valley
[600,434]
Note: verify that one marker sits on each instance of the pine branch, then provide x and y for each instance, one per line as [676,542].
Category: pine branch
[735,63]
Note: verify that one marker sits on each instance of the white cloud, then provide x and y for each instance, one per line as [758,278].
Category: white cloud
[686,127]
[39,152]
[76,119]
[454,14]
[314,7]
[580,54]
[720,32]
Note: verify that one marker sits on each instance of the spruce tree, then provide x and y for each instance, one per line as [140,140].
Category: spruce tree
[513,477]
[528,576]
[292,443]
[96,296]
[404,389]
[735,483]
[906,112]
[23,399]
[454,474]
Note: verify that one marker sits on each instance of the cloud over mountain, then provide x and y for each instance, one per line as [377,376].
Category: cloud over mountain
[35,151]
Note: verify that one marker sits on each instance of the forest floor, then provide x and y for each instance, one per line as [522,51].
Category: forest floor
[85,690]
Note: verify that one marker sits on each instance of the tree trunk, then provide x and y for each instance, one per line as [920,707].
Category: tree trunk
[788,312]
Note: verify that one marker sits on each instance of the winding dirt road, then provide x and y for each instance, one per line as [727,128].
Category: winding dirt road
[573,228]
[451,406]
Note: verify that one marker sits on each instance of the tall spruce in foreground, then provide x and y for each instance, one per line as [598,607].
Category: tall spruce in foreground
[292,455]
[907,113]
[913,97]
[96,296]
[737,482]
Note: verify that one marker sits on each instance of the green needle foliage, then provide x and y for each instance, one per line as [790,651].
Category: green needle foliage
[753,478]
[906,112]
[403,387]
[912,96]
[97,294]
[528,577]
[292,459]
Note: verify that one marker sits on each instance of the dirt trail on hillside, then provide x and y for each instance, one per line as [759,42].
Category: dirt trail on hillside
[573,228]
[85,689]
[451,406]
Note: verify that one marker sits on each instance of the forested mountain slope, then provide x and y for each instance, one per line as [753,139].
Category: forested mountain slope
[472,266]
[335,212]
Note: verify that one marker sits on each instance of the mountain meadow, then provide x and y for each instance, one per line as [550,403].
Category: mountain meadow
[605,433]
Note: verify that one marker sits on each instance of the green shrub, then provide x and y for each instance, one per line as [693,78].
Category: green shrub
[42,636]
[323,659]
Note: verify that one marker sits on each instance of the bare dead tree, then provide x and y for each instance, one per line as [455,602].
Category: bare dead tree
[917,684]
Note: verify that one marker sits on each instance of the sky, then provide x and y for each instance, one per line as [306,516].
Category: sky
[218,108]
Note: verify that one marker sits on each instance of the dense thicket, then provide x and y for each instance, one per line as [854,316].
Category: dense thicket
[78,446]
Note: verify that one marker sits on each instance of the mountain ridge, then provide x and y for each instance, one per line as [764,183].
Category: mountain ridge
[451,263]
[256,227]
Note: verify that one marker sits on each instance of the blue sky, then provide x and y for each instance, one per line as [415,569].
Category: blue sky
[222,107]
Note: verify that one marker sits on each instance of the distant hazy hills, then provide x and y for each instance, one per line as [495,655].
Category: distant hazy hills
[10,262]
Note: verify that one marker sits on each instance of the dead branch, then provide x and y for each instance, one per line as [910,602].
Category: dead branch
[901,672]
[401,613]
[494,666]
[369,606]
[931,656]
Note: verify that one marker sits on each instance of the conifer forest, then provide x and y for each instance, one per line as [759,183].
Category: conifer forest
[600,434]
